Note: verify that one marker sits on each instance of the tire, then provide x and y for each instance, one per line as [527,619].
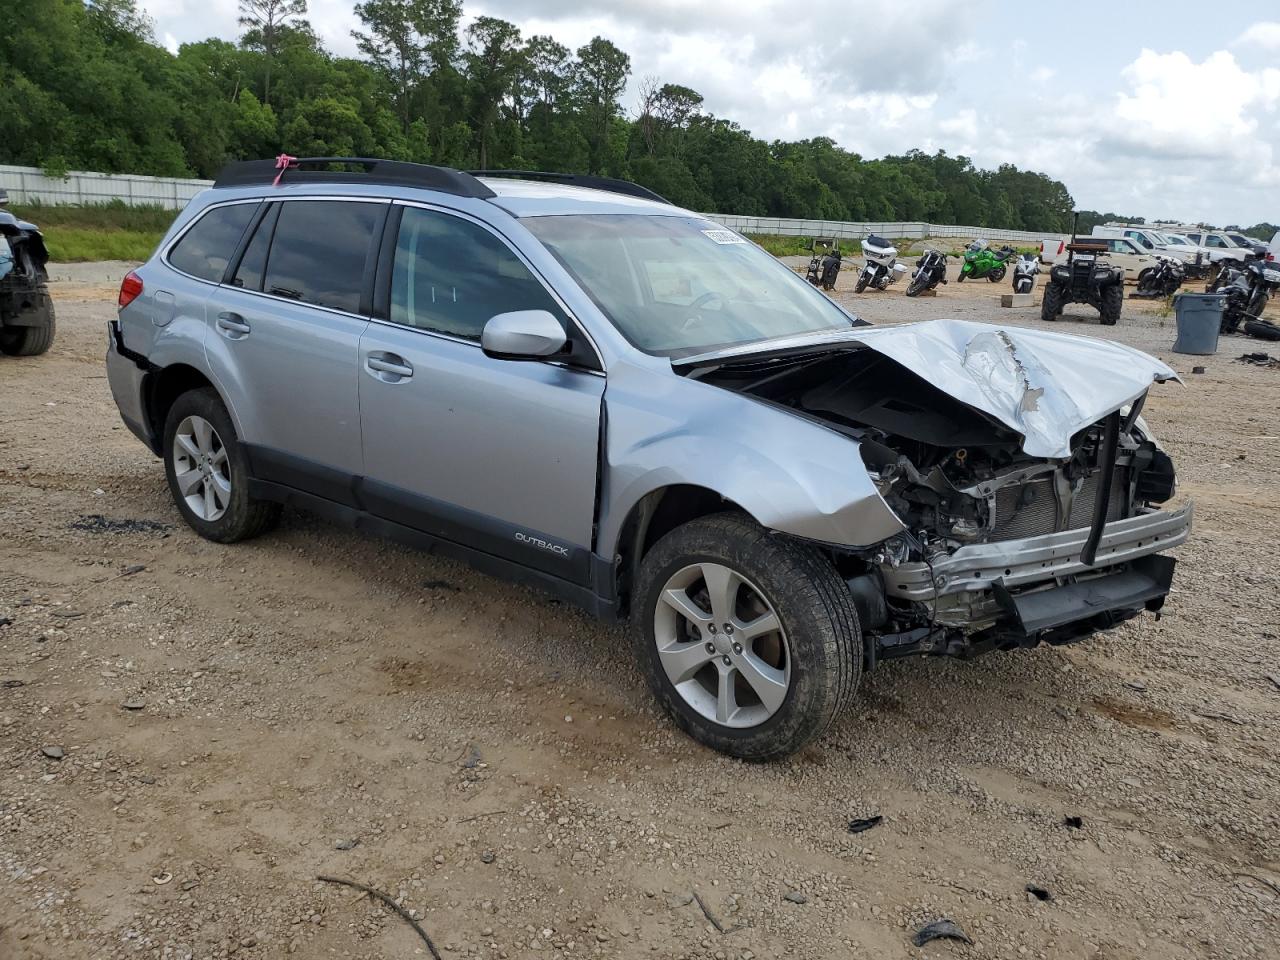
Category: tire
[1262,329]
[961,276]
[818,647]
[996,275]
[236,515]
[1112,304]
[30,341]
[1051,305]
[862,282]
[915,287]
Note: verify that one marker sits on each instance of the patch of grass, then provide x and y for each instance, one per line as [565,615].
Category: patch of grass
[106,231]
[78,244]
[115,215]
[796,246]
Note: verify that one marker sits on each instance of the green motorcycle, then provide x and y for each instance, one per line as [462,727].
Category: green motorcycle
[980,261]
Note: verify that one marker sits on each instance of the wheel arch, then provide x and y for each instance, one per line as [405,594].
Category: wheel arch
[651,517]
[163,386]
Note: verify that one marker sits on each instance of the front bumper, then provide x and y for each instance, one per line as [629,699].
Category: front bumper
[1035,561]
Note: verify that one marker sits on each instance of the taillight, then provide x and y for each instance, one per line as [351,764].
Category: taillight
[130,289]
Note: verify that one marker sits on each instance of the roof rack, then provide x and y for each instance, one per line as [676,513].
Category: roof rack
[611,184]
[351,170]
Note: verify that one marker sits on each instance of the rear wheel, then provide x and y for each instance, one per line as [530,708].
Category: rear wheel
[1262,329]
[996,275]
[208,473]
[1112,304]
[750,641]
[1052,304]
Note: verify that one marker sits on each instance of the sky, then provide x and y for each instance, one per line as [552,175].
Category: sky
[1175,116]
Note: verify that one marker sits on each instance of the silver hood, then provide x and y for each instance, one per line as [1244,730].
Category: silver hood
[1045,386]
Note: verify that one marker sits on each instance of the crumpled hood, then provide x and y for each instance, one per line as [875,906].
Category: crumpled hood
[1046,386]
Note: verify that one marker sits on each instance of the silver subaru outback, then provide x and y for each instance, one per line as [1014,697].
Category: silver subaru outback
[567,381]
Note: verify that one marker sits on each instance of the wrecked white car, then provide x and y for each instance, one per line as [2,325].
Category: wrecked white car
[574,384]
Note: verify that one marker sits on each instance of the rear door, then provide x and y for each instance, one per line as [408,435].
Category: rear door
[1122,253]
[284,339]
[499,455]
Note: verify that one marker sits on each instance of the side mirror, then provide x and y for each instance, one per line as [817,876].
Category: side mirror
[523,335]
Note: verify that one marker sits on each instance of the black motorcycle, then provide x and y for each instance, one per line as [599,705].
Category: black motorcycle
[931,270]
[1247,293]
[1160,281]
[823,270]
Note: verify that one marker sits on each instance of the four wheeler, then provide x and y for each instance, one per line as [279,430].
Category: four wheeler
[1086,277]
[26,312]
[980,261]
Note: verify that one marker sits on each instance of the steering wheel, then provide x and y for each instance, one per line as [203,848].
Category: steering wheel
[694,316]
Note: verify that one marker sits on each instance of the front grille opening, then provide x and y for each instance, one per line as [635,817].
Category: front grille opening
[1031,509]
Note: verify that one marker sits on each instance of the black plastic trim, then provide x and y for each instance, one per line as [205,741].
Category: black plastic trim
[1144,585]
[371,170]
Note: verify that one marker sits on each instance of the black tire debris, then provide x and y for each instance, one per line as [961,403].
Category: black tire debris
[940,930]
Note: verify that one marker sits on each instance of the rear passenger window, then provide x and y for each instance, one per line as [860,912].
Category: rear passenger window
[205,250]
[319,250]
[451,276]
[254,262]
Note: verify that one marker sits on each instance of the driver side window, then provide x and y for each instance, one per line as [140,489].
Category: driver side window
[451,276]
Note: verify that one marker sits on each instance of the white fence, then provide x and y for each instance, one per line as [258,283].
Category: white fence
[26,184]
[845,230]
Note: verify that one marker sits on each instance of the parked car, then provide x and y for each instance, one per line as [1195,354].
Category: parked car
[27,323]
[568,381]
[1227,246]
[1273,249]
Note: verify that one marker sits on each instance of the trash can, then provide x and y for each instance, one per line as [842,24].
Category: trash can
[1199,317]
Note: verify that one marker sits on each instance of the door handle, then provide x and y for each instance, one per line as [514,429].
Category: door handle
[389,367]
[232,326]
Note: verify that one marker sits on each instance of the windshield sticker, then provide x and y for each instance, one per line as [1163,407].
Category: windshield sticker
[723,236]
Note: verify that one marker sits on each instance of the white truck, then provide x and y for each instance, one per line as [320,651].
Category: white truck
[1227,246]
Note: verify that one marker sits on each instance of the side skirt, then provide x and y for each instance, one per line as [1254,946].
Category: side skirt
[602,607]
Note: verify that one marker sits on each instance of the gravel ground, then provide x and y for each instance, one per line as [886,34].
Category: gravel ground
[234,721]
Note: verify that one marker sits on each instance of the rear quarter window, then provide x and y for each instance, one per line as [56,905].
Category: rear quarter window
[208,246]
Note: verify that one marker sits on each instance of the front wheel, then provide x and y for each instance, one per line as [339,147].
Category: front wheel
[31,341]
[917,285]
[207,471]
[1112,304]
[1052,304]
[862,282]
[750,641]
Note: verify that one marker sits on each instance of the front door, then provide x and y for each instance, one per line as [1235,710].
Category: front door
[498,455]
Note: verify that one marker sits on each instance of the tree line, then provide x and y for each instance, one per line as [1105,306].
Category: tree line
[88,87]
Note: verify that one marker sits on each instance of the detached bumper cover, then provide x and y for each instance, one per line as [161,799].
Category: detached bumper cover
[1035,561]
[1144,584]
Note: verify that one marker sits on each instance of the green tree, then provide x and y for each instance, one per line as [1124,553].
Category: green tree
[264,22]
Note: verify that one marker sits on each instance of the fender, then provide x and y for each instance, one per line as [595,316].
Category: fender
[792,475]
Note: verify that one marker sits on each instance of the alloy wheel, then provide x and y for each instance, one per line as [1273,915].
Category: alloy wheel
[201,468]
[722,645]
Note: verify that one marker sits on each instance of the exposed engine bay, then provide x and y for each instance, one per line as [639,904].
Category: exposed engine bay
[963,484]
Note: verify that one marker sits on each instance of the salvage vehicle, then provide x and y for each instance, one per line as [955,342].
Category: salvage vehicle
[1025,270]
[931,270]
[981,261]
[881,266]
[1226,246]
[26,312]
[570,382]
[1248,290]
[1087,277]
[1160,281]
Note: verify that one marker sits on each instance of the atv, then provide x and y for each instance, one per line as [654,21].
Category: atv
[26,312]
[1086,277]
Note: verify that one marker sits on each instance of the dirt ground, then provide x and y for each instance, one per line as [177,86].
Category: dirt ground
[234,721]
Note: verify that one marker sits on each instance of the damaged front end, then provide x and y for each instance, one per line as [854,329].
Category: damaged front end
[1028,486]
[26,311]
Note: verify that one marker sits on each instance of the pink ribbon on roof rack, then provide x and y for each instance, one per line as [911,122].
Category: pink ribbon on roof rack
[283,163]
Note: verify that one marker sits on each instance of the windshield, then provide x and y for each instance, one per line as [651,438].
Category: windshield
[1176,240]
[678,286]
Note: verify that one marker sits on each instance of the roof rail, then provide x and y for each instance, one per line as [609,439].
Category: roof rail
[351,170]
[611,184]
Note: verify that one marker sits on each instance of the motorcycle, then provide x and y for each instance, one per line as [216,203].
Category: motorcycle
[824,268]
[931,270]
[1248,293]
[882,267]
[1025,271]
[980,261]
[1162,280]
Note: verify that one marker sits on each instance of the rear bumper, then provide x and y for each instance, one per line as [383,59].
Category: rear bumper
[126,372]
[1019,564]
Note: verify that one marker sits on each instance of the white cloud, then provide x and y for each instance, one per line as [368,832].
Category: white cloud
[1264,35]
